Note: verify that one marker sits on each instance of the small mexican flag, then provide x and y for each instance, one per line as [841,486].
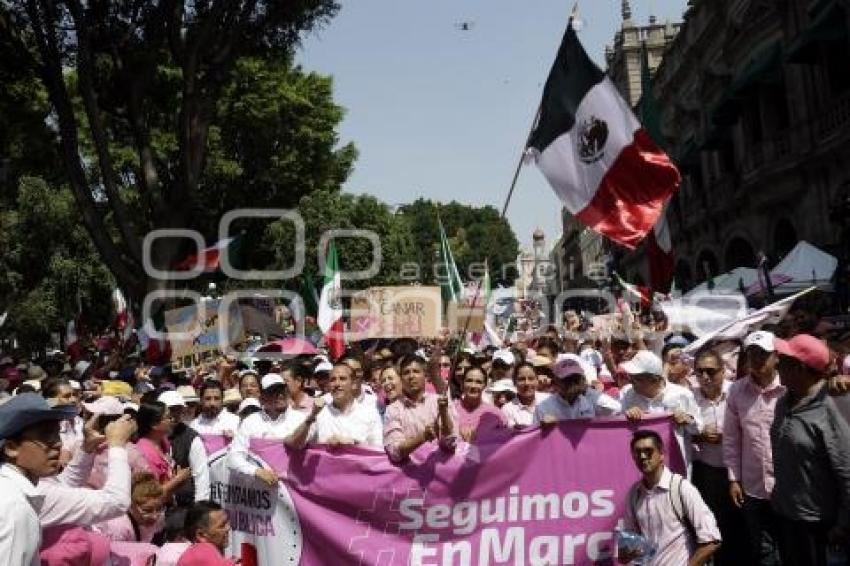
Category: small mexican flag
[330,306]
[208,260]
[452,286]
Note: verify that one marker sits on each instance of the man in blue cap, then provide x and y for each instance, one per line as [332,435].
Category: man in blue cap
[29,432]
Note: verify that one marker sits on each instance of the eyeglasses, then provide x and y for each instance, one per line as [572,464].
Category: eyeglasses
[706,373]
[44,442]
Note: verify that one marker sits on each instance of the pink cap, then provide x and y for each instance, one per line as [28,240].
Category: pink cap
[105,406]
[809,350]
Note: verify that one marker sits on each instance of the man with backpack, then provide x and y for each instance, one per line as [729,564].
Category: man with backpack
[667,510]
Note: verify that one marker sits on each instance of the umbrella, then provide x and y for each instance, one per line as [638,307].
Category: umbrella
[290,347]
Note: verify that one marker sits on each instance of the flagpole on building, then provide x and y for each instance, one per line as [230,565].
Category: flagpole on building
[573,16]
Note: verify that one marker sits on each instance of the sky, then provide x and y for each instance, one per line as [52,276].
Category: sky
[443,113]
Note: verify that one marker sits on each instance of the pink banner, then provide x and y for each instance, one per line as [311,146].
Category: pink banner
[544,496]
[214,442]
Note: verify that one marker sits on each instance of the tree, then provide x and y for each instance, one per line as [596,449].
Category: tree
[48,267]
[134,88]
[326,210]
[475,234]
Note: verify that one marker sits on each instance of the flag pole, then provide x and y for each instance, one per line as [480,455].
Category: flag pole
[573,16]
[521,160]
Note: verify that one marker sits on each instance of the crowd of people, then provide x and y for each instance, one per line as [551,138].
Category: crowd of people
[108,449]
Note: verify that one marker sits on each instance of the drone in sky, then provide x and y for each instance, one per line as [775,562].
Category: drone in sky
[465,25]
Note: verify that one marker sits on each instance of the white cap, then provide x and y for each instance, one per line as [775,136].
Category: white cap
[81,367]
[75,385]
[270,380]
[644,361]
[171,398]
[761,338]
[503,385]
[133,406]
[505,356]
[323,366]
[247,402]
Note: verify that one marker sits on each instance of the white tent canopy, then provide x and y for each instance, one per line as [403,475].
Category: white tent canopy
[725,282]
[807,266]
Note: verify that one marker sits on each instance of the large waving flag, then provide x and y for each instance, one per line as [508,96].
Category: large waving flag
[330,306]
[659,247]
[590,147]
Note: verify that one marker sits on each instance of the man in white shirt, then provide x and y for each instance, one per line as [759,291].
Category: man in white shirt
[650,393]
[344,420]
[573,399]
[29,430]
[274,421]
[214,418]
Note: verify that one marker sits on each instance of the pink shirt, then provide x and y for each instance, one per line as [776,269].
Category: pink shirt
[746,435]
[121,529]
[655,518]
[713,415]
[484,419]
[406,418]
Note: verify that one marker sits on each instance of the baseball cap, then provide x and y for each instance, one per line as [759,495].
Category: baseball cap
[81,367]
[171,399]
[270,380]
[809,350]
[504,356]
[761,338]
[323,366]
[541,361]
[503,386]
[105,406]
[26,409]
[643,361]
[245,403]
[567,365]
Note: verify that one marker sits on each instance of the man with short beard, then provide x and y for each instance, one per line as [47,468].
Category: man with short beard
[214,418]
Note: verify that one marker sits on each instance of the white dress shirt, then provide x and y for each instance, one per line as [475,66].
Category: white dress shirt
[225,421]
[361,423]
[591,403]
[199,462]
[20,532]
[712,414]
[519,415]
[670,399]
[260,425]
[68,502]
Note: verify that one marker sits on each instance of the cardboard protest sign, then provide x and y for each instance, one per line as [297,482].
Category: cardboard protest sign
[194,332]
[392,312]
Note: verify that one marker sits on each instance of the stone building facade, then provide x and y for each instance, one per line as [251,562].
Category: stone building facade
[755,102]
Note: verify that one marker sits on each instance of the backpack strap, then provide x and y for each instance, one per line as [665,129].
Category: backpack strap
[677,502]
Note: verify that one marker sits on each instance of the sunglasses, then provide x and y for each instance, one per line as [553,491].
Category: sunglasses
[704,373]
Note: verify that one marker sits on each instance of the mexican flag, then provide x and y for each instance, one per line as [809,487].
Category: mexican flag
[452,286]
[330,306]
[208,260]
[659,247]
[600,162]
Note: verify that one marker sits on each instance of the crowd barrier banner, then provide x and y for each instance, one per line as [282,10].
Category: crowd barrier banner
[544,496]
[214,443]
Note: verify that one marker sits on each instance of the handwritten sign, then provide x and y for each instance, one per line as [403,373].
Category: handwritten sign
[391,312]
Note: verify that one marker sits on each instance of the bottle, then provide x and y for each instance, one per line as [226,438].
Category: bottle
[633,543]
